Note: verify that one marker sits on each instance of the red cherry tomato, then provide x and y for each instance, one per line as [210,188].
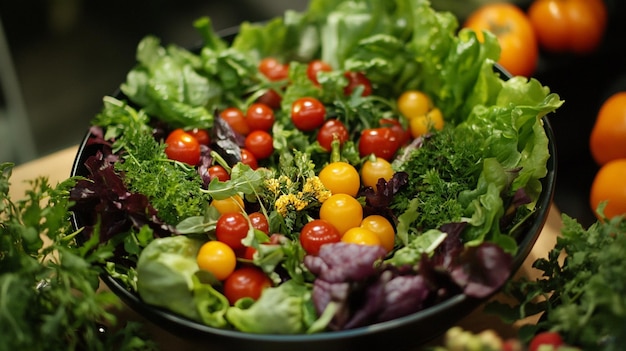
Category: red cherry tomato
[248,158]
[247,281]
[356,79]
[183,147]
[273,69]
[545,338]
[217,171]
[259,116]
[307,113]
[403,135]
[202,135]
[259,222]
[317,233]
[382,142]
[316,66]
[260,143]
[231,228]
[236,120]
[271,98]
[330,130]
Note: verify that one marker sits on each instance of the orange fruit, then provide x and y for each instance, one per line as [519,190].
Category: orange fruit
[608,136]
[609,185]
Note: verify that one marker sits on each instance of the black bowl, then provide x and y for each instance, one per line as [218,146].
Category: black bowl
[401,333]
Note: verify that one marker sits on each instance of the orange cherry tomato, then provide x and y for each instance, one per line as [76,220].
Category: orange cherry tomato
[340,178]
[380,226]
[233,204]
[342,211]
[609,185]
[217,258]
[361,236]
[608,135]
[568,25]
[519,48]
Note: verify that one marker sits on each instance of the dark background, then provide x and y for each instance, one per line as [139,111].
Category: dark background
[68,54]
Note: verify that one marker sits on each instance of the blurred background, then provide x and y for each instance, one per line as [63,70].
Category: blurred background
[58,58]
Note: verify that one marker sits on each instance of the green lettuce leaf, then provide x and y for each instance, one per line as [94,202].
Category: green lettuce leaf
[285,309]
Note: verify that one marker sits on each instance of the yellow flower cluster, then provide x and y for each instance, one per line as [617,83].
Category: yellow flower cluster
[315,188]
[290,202]
[290,199]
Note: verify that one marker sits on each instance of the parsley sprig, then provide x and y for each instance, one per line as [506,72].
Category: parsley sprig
[49,297]
[582,292]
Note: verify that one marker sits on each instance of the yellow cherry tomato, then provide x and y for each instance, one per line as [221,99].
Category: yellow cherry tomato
[380,226]
[373,170]
[427,123]
[413,103]
[217,258]
[361,236]
[233,204]
[342,211]
[340,178]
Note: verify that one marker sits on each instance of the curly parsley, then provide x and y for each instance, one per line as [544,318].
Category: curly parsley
[442,167]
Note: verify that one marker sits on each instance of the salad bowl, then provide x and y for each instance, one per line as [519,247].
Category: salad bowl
[403,332]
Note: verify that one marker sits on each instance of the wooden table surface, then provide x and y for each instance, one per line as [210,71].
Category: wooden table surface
[57,167]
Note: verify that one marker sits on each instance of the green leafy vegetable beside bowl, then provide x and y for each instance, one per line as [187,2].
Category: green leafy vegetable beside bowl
[467,202]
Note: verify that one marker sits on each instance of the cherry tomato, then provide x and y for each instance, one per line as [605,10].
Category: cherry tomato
[608,135]
[568,25]
[609,185]
[260,143]
[356,79]
[413,103]
[248,158]
[236,120]
[424,124]
[519,48]
[307,113]
[228,205]
[340,178]
[382,142]
[259,222]
[247,281]
[231,228]
[273,69]
[259,116]
[217,171]
[216,258]
[183,147]
[380,226]
[316,233]
[316,66]
[403,135]
[372,171]
[342,211]
[270,98]
[545,338]
[201,135]
[330,130]
[248,253]
[361,236]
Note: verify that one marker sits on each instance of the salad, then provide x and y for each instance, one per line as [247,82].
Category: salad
[325,170]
